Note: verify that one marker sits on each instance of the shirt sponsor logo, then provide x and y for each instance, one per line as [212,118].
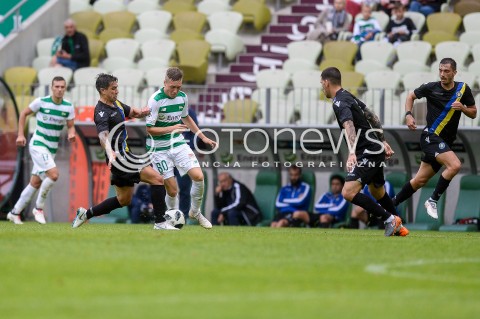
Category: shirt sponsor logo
[441,145]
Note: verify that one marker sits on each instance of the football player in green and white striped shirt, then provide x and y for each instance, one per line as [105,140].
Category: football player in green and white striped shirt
[167,120]
[52,113]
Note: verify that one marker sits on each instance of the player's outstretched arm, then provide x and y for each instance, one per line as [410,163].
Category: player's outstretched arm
[21,140]
[139,112]
[103,136]
[190,123]
[409,119]
[71,131]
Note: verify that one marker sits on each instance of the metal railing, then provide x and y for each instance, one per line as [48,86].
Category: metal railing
[17,18]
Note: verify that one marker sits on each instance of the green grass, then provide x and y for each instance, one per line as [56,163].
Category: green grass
[132,271]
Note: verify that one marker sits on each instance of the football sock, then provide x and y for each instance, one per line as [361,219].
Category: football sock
[370,206]
[440,188]
[104,207]
[387,204]
[172,202]
[196,194]
[158,194]
[47,185]
[406,192]
[24,199]
[354,223]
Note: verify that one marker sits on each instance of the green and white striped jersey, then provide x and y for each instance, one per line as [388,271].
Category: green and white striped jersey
[164,112]
[51,118]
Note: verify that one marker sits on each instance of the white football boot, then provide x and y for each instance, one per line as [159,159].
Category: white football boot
[39,216]
[201,219]
[81,217]
[14,218]
[431,206]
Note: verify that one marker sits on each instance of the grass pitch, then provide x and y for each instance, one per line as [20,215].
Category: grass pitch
[131,271]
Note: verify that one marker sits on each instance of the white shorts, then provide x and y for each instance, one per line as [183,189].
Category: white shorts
[181,157]
[42,159]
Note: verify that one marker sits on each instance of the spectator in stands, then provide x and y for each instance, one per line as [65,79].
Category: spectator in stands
[331,207]
[388,5]
[330,23]
[141,207]
[74,52]
[399,28]
[234,203]
[426,7]
[366,27]
[293,201]
[360,214]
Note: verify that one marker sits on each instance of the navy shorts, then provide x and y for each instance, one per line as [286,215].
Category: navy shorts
[432,145]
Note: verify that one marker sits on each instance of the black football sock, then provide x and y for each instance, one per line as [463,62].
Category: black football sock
[406,192]
[158,200]
[354,223]
[104,207]
[440,188]
[387,204]
[370,206]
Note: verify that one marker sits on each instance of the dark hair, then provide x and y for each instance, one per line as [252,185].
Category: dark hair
[174,74]
[337,177]
[398,5]
[104,80]
[58,78]
[333,75]
[295,168]
[450,61]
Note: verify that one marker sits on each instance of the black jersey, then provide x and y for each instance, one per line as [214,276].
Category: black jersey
[112,119]
[442,120]
[347,107]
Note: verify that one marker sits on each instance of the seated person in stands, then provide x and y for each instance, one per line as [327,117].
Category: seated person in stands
[74,52]
[426,7]
[234,203]
[399,28]
[360,214]
[293,201]
[331,207]
[388,5]
[366,27]
[330,23]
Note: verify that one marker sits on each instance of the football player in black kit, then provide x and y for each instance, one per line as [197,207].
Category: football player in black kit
[363,132]
[126,168]
[446,101]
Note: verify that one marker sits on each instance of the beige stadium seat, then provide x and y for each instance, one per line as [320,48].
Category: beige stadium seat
[471,22]
[305,50]
[469,78]
[470,37]
[115,63]
[368,66]
[87,76]
[225,42]
[414,50]
[176,6]
[146,64]
[155,77]
[194,21]
[474,68]
[295,65]
[417,18]
[225,20]
[140,6]
[129,78]
[107,6]
[193,60]
[78,6]
[304,98]
[124,48]
[208,7]
[307,79]
[274,79]
[158,19]
[148,34]
[122,20]
[382,18]
[407,66]
[44,47]
[20,79]
[254,12]
[458,51]
[476,52]
[41,62]
[162,49]
[382,86]
[87,20]
[240,111]
[379,51]
[111,34]
[46,75]
[414,79]
[84,92]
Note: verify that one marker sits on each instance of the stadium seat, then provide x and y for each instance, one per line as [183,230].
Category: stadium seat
[253,12]
[339,50]
[181,35]
[305,50]
[470,37]
[273,79]
[225,20]
[382,86]
[308,176]
[163,49]
[44,47]
[337,63]
[209,7]
[267,186]
[155,77]
[382,18]
[240,111]
[225,42]
[78,6]
[414,79]
[444,21]
[23,101]
[118,216]
[464,76]
[378,51]
[89,34]
[408,66]
[435,37]
[87,20]
[87,76]
[148,34]
[46,75]
[193,60]
[295,65]
[194,21]
[140,6]
[458,51]
[414,50]
[368,66]
[107,6]
[97,51]
[84,92]
[146,64]
[123,21]
[464,8]
[111,34]
[41,62]
[158,19]
[468,205]
[474,68]
[123,48]
[476,52]
[176,6]
[352,81]
[471,22]
[422,220]
[397,180]
[114,63]
[129,79]
[417,18]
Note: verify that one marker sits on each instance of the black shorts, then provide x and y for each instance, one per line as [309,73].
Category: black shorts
[126,170]
[279,216]
[369,169]
[432,145]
